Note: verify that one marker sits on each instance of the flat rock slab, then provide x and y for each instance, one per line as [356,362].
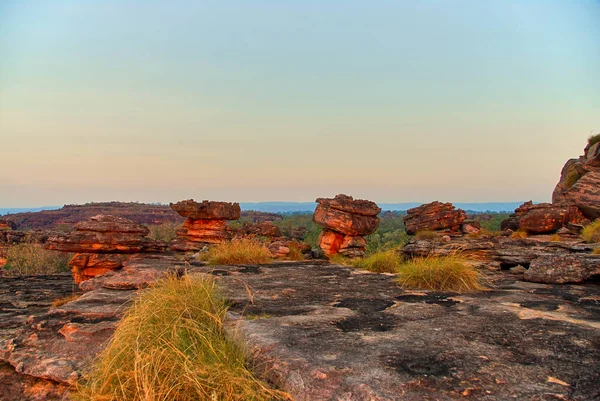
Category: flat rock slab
[325,332]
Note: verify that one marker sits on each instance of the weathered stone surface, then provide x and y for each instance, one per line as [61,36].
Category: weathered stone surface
[343,334]
[470,227]
[207,210]
[111,224]
[579,183]
[434,216]
[204,231]
[260,229]
[280,247]
[559,269]
[103,242]
[544,218]
[330,241]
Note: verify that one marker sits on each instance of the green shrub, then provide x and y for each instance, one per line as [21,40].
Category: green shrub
[339,259]
[591,232]
[164,232]
[444,273]
[571,178]
[171,345]
[594,139]
[28,259]
[426,234]
[380,262]
[244,251]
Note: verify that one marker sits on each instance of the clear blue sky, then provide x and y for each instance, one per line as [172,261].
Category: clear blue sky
[393,101]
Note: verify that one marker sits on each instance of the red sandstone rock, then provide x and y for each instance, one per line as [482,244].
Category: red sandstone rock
[207,210]
[261,229]
[544,218]
[434,216]
[345,222]
[99,244]
[579,183]
[204,231]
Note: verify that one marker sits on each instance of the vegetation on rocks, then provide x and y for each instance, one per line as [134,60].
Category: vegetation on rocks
[165,232]
[519,234]
[594,139]
[171,345]
[426,234]
[591,232]
[380,262]
[244,251]
[27,259]
[444,273]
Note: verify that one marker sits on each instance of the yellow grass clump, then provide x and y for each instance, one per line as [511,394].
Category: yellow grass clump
[591,232]
[380,262]
[339,259]
[295,254]
[443,273]
[243,251]
[171,345]
[29,258]
[65,299]
[519,234]
[596,251]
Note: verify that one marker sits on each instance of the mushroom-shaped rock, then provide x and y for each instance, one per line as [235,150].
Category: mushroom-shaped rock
[101,244]
[345,221]
[205,224]
[434,216]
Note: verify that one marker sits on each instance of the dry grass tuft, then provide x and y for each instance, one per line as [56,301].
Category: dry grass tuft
[244,251]
[295,254]
[594,139]
[519,234]
[444,273]
[66,299]
[555,238]
[380,262]
[591,232]
[171,345]
[426,235]
[571,178]
[596,251]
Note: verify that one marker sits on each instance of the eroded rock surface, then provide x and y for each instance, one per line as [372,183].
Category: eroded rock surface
[333,333]
[345,222]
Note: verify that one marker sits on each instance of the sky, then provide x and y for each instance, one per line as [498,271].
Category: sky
[393,101]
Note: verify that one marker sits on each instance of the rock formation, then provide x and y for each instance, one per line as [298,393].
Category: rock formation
[102,243]
[345,222]
[205,224]
[545,218]
[579,183]
[435,216]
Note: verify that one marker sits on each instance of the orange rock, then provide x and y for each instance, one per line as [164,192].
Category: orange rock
[434,216]
[344,222]
[330,241]
[207,210]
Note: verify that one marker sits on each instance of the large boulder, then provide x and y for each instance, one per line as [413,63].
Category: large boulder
[579,183]
[547,218]
[559,269]
[345,221]
[434,216]
[101,244]
[205,224]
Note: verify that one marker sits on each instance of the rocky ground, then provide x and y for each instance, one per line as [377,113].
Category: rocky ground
[324,332]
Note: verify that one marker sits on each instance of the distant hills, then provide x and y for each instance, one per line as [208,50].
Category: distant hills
[291,207]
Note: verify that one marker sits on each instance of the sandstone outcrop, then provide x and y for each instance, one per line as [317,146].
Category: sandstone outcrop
[434,216]
[206,223]
[579,183]
[101,244]
[545,218]
[345,222]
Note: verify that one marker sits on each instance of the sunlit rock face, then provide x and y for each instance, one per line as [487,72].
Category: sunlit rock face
[579,183]
[101,244]
[345,222]
[206,223]
[434,216]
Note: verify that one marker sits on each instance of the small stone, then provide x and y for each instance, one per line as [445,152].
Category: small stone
[517,270]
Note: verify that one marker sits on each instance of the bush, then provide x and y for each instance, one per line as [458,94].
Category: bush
[426,235]
[339,259]
[380,262]
[596,251]
[519,234]
[28,259]
[572,178]
[591,232]
[295,254]
[164,232]
[244,251]
[594,139]
[445,273]
[171,345]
